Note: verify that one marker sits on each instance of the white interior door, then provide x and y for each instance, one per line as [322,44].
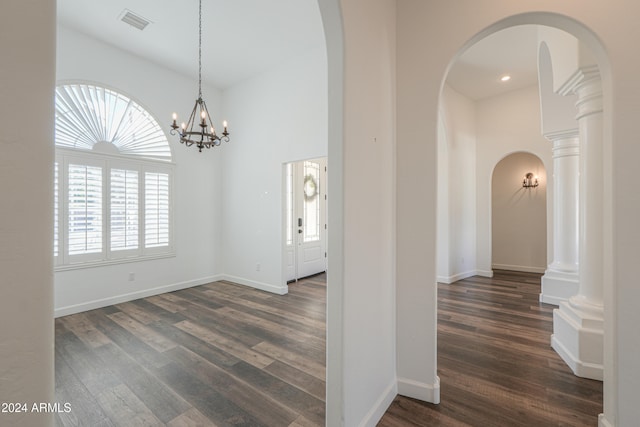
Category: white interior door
[305,249]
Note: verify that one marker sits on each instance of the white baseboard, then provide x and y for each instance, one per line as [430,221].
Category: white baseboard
[380,407]
[450,279]
[603,422]
[557,287]
[279,290]
[421,391]
[523,268]
[117,299]
[581,369]
[485,273]
[548,299]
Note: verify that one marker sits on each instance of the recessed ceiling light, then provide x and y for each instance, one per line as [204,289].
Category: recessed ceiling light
[505,78]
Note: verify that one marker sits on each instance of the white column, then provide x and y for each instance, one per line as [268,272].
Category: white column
[560,280]
[578,323]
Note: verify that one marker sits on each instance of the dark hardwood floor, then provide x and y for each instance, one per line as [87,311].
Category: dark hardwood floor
[214,355]
[495,362]
[223,354]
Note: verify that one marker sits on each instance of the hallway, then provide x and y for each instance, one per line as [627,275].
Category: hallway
[495,362]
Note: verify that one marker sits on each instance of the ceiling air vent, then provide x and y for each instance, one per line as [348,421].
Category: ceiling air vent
[134,20]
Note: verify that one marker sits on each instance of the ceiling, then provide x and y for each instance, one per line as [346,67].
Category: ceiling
[240,38]
[513,51]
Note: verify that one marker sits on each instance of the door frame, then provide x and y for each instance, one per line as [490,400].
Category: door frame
[290,250]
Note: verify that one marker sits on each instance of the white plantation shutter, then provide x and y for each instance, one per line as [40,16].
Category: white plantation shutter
[87,115]
[85,209]
[112,180]
[124,211]
[156,211]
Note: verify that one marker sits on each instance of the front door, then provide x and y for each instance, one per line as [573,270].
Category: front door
[305,252]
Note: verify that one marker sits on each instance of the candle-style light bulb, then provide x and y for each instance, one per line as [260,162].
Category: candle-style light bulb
[184,126]
[224,124]
[174,126]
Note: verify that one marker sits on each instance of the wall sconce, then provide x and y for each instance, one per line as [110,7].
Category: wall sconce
[530,181]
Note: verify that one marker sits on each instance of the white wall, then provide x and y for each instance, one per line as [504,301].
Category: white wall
[506,124]
[557,112]
[368,360]
[456,177]
[566,52]
[427,43]
[26,170]
[279,116]
[197,193]
[519,215]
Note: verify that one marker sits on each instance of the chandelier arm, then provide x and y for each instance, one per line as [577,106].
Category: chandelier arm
[192,118]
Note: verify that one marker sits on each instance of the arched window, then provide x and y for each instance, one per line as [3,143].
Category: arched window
[113,179]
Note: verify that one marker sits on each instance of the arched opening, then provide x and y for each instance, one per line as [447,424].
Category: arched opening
[519,214]
[588,39]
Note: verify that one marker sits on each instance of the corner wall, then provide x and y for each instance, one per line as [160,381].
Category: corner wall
[477,135]
[506,124]
[277,117]
[457,188]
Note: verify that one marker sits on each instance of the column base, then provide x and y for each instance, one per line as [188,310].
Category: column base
[578,337]
[558,286]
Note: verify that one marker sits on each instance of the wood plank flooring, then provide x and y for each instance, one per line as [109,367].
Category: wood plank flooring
[495,362]
[214,355]
[223,354]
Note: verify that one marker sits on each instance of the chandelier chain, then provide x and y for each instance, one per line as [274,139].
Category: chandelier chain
[200,50]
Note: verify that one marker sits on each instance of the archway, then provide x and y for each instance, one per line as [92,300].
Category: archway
[519,214]
[585,37]
[410,107]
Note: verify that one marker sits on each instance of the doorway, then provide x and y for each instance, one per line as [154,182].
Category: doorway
[305,218]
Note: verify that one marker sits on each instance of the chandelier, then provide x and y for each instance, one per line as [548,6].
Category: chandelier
[199,129]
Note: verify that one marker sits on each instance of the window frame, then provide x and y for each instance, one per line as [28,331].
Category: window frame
[107,161]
